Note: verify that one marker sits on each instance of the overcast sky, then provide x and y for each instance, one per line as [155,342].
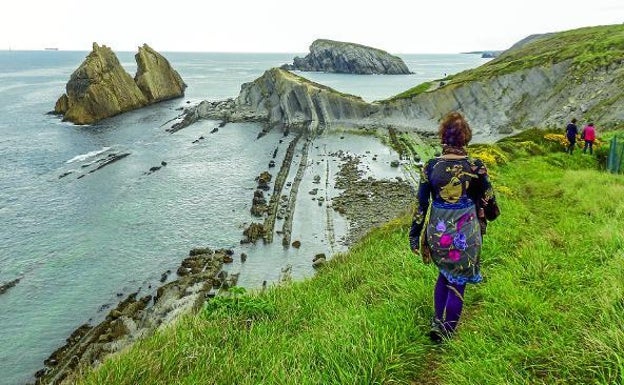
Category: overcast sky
[405,26]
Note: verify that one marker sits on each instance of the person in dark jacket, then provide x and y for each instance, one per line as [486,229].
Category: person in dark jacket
[458,188]
[571,133]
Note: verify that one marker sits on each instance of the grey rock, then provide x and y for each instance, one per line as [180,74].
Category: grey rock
[340,57]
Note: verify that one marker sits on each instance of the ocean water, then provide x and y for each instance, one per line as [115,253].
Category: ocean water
[80,241]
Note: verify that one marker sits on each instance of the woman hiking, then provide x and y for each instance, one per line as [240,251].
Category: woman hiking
[460,193]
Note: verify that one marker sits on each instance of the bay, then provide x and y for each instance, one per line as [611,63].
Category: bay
[80,242]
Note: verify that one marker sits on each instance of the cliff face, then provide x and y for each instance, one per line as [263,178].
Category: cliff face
[543,82]
[101,88]
[536,97]
[493,106]
[155,77]
[335,56]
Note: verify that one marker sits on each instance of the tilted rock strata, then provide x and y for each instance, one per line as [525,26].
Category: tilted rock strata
[155,77]
[543,96]
[280,97]
[101,88]
[200,275]
[349,58]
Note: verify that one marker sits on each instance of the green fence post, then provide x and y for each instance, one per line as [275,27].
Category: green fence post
[619,159]
[612,154]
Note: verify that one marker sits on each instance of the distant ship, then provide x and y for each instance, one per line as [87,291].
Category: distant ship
[51,49]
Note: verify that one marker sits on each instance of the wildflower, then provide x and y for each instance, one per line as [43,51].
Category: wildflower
[454,255]
[441,227]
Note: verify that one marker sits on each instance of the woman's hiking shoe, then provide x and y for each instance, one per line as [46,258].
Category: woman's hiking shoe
[438,332]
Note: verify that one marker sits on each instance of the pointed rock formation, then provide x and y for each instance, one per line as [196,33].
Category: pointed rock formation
[155,77]
[101,88]
[350,58]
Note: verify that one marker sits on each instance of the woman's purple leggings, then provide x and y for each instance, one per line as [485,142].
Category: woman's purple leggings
[448,298]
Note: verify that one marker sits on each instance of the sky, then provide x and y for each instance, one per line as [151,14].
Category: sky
[290,26]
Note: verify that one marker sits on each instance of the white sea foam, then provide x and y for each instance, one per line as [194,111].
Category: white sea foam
[80,158]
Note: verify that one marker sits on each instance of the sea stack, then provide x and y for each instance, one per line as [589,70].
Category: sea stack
[155,77]
[349,58]
[101,88]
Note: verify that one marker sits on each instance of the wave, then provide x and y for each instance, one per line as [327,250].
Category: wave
[80,158]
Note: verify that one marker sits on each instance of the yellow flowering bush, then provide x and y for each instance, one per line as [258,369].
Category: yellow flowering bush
[563,140]
[558,138]
[490,155]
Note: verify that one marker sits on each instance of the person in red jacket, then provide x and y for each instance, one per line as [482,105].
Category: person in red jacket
[589,135]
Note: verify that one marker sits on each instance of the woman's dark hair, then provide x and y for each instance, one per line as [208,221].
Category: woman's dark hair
[454,130]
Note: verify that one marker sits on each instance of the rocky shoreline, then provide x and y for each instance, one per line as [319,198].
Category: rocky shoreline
[199,276]
[368,202]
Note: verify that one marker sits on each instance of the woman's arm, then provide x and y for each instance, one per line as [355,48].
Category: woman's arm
[424,195]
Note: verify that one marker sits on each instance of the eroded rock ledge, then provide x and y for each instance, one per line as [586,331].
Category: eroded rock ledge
[281,98]
[199,275]
[349,58]
[101,88]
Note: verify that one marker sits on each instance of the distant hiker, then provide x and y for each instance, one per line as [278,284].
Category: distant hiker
[589,136]
[462,198]
[571,133]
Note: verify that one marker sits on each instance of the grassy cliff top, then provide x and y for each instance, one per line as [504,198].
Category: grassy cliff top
[587,48]
[549,311]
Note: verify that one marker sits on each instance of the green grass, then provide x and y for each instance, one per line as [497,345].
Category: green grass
[587,48]
[550,311]
[419,89]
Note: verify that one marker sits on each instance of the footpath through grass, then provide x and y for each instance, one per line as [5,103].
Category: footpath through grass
[551,309]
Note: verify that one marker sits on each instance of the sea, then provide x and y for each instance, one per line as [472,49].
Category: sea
[78,241]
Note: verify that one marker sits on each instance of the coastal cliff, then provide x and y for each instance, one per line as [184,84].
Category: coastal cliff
[101,88]
[335,56]
[542,83]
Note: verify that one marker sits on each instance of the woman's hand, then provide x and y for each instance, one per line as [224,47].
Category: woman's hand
[425,252]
